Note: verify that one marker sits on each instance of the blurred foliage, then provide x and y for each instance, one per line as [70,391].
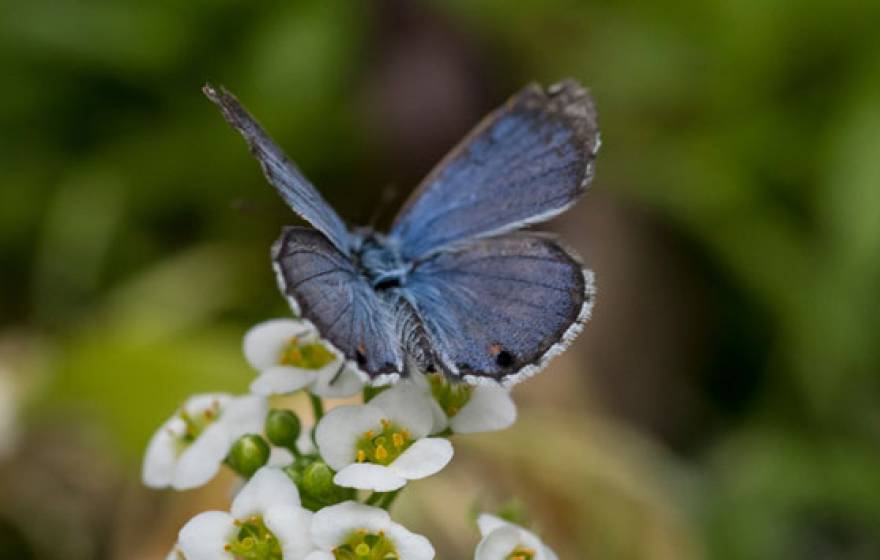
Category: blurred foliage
[134,229]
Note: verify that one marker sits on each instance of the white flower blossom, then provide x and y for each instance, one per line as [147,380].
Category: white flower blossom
[467,409]
[382,444]
[265,521]
[505,541]
[189,448]
[353,531]
[279,457]
[290,355]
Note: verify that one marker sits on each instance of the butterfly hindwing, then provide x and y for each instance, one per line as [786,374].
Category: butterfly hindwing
[524,163]
[499,308]
[324,286]
[281,172]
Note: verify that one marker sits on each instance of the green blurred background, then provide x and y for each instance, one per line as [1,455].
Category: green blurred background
[723,402]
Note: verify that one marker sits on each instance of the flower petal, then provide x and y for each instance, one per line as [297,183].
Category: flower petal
[487,523]
[292,526]
[320,555]
[264,342]
[441,422]
[332,525]
[490,408]
[498,544]
[199,462]
[268,488]
[410,546]
[407,405]
[279,457]
[245,415]
[305,444]
[205,535]
[367,476]
[281,380]
[338,432]
[160,460]
[531,540]
[198,404]
[549,554]
[423,458]
[332,386]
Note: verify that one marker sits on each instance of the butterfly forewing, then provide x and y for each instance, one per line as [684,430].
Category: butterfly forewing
[526,162]
[282,173]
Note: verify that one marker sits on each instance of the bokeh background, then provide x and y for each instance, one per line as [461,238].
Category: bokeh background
[723,403]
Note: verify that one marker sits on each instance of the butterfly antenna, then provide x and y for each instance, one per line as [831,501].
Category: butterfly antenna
[386,197]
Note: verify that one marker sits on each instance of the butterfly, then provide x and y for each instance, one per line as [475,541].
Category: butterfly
[453,287]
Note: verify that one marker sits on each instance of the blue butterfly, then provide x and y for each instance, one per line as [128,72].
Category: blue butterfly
[453,287]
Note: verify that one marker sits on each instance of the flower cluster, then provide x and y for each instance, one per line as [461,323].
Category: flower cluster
[323,492]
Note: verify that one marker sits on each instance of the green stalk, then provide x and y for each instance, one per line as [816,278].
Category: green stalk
[388,499]
[317,407]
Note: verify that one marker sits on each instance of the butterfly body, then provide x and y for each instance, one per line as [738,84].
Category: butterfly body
[378,258]
[453,286]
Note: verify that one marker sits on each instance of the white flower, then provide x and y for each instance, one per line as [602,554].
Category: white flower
[189,448]
[382,444]
[467,409]
[279,457]
[503,540]
[265,521]
[353,530]
[290,355]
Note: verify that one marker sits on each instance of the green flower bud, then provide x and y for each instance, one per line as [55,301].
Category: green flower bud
[317,480]
[283,428]
[248,454]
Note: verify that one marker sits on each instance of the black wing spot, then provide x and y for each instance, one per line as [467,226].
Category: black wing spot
[360,358]
[504,359]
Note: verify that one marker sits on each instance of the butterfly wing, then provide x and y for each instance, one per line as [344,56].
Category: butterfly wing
[526,162]
[282,173]
[501,307]
[324,287]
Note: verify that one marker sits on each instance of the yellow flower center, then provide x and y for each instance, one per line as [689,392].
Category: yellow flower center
[305,355]
[383,447]
[195,424]
[450,396]
[521,553]
[254,541]
[363,545]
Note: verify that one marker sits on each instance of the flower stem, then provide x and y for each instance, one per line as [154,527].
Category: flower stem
[388,499]
[317,407]
[374,498]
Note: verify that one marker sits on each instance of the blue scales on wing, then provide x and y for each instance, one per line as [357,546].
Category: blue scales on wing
[328,291]
[501,307]
[526,162]
[282,173]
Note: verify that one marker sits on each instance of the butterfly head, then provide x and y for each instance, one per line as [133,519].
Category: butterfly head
[380,261]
